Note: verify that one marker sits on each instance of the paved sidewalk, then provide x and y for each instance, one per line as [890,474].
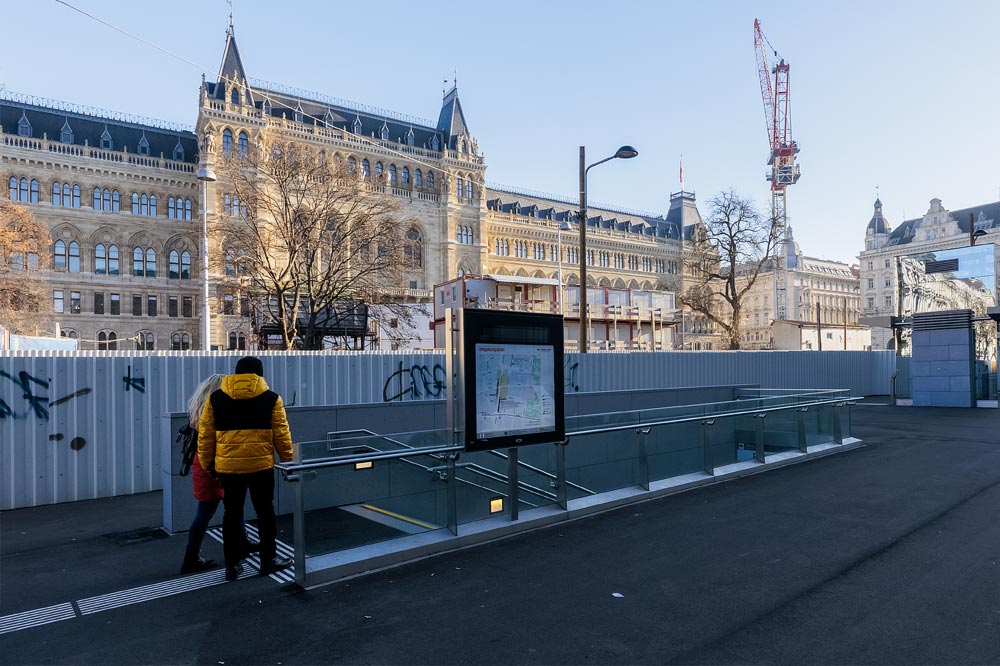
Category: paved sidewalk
[886,554]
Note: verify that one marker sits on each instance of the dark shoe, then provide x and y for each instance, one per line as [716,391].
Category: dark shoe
[194,566]
[250,547]
[275,565]
[233,571]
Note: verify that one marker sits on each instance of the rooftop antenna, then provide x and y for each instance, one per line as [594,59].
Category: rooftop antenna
[230,3]
[876,192]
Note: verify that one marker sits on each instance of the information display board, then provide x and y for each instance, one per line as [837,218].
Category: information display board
[513,379]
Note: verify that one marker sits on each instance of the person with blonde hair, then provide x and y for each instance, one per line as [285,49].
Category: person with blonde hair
[207,489]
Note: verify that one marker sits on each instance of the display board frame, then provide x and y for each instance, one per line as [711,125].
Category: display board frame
[527,342]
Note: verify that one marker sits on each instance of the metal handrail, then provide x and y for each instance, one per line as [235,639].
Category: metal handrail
[289,468]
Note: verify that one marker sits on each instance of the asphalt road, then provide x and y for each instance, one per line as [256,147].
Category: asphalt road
[888,554]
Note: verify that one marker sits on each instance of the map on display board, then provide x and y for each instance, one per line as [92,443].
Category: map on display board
[515,389]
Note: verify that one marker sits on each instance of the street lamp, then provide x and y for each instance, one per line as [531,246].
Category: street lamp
[206,176]
[559,295]
[623,153]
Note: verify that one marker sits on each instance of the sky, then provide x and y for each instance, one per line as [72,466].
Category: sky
[895,97]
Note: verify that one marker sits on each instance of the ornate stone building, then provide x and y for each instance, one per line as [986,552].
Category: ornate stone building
[119,196]
[127,243]
[937,229]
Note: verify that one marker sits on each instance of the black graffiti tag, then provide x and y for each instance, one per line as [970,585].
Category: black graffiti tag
[38,403]
[418,381]
[137,383]
[570,378]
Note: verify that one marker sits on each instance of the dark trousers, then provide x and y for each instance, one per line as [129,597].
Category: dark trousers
[261,488]
[196,533]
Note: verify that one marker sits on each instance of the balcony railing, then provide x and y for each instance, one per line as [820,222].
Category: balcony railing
[89,152]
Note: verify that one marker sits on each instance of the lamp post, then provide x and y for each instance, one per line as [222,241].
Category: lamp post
[206,176]
[564,226]
[623,153]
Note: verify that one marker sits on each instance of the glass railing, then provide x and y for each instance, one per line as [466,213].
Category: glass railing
[356,490]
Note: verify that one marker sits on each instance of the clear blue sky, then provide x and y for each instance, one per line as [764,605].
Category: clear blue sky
[903,95]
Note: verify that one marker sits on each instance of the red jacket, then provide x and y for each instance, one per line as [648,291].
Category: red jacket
[206,488]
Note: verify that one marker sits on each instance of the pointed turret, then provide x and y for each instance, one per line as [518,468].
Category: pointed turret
[877,233]
[232,65]
[451,122]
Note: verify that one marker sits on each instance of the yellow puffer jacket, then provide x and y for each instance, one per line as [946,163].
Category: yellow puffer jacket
[241,426]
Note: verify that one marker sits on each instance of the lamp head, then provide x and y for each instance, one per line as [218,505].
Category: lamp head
[207,175]
[564,226]
[626,153]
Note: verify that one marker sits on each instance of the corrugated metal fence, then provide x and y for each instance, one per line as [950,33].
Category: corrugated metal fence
[82,425]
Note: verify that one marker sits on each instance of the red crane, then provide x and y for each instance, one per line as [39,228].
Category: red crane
[784,170]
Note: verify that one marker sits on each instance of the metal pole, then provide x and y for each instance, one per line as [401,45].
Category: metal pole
[559,293]
[819,332]
[206,330]
[845,323]
[583,250]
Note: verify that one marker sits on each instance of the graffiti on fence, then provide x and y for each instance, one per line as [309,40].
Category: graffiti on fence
[39,404]
[137,383]
[570,368]
[417,381]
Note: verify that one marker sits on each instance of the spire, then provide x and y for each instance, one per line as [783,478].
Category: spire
[232,64]
[878,224]
[451,122]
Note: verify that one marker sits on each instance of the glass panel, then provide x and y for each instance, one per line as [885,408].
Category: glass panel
[819,424]
[675,449]
[600,462]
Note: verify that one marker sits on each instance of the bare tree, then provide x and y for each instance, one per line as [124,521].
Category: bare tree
[727,256]
[308,243]
[24,253]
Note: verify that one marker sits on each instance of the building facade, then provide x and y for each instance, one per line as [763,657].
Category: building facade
[937,229]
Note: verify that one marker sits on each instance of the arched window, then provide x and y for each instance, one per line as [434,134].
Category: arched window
[138,265]
[237,340]
[392,174]
[468,189]
[102,340]
[227,142]
[430,180]
[174,265]
[242,145]
[175,340]
[97,199]
[170,209]
[185,341]
[143,204]
[185,265]
[413,249]
[100,259]
[12,189]
[59,256]
[112,341]
[144,340]
[352,164]
[116,201]
[135,203]
[234,96]
[113,260]
[56,194]
[152,205]
[366,168]
[151,263]
[74,257]
[76,196]
[418,178]
[405,175]
[187,209]
[378,169]
[34,191]
[458,186]
[227,205]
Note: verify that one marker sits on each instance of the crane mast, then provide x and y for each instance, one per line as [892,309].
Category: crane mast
[784,171]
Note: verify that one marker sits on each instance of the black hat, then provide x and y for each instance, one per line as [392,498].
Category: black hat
[250,365]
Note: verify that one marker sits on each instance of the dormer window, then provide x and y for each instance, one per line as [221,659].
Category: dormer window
[23,126]
[234,97]
[435,145]
[178,151]
[357,125]
[66,133]
[144,145]
[267,107]
[409,137]
[298,113]
[328,118]
[384,132]
[107,143]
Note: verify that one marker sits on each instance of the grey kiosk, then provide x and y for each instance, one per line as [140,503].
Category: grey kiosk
[508,386]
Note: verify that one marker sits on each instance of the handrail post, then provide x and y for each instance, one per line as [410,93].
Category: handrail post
[299,531]
[512,485]
[708,464]
[759,436]
[451,494]
[562,494]
[643,457]
[801,418]
[838,427]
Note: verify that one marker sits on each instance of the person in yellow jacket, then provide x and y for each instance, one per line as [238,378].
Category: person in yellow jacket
[241,426]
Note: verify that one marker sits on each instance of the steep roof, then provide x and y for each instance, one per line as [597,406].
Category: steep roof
[451,121]
[987,217]
[231,60]
[878,225]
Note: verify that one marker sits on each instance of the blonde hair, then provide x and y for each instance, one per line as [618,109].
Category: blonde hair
[197,401]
